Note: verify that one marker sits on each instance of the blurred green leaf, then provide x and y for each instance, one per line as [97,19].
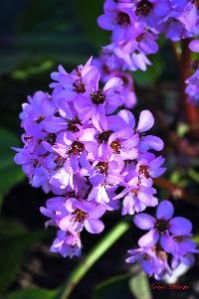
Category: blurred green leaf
[139,286]
[10,173]
[151,75]
[182,129]
[15,241]
[194,175]
[32,294]
[115,287]
[87,15]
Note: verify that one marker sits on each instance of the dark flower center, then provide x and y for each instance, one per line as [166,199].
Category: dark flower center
[104,136]
[40,119]
[35,163]
[102,167]
[59,161]
[98,97]
[70,194]
[72,125]
[196,2]
[123,19]
[76,148]
[128,161]
[116,146]
[179,239]
[80,215]
[144,8]
[161,254]
[79,86]
[105,69]
[162,225]
[144,170]
[135,191]
[51,138]
[57,114]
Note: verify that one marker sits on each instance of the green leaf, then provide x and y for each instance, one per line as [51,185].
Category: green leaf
[194,175]
[139,286]
[15,241]
[32,294]
[115,287]
[10,173]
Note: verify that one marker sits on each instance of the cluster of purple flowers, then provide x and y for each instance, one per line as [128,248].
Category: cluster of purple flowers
[83,144]
[88,152]
[136,25]
[167,245]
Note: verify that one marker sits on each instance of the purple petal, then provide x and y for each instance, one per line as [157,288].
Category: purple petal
[168,243]
[165,210]
[194,45]
[146,121]
[98,212]
[144,221]
[154,142]
[149,239]
[94,226]
[180,226]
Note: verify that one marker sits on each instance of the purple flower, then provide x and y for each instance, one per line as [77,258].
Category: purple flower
[167,245]
[136,197]
[161,227]
[74,214]
[67,244]
[117,18]
[192,88]
[154,262]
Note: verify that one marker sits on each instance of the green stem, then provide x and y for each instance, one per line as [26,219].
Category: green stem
[109,239]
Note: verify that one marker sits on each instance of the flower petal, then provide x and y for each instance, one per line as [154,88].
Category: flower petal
[149,239]
[94,226]
[180,226]
[146,121]
[144,221]
[165,210]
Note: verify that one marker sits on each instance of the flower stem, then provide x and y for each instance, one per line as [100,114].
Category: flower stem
[110,238]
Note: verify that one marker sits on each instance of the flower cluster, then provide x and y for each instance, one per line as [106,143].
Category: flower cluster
[168,243]
[192,89]
[81,144]
[136,26]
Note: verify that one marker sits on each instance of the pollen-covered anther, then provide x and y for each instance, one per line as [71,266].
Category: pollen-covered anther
[76,148]
[144,170]
[98,97]
[73,125]
[144,8]
[80,215]
[79,86]
[59,161]
[162,225]
[51,138]
[116,146]
[102,167]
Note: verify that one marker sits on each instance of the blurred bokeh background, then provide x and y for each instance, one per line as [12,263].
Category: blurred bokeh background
[35,37]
